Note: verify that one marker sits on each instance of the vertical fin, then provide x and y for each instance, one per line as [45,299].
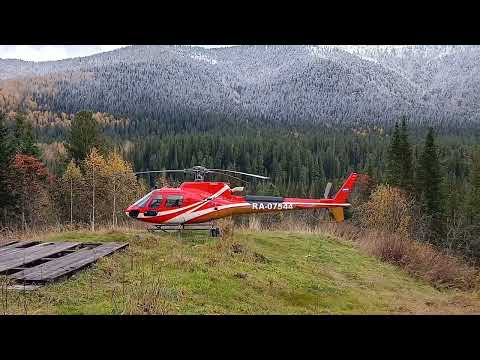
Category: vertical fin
[342,195]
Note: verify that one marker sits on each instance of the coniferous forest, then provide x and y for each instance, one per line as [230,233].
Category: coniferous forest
[61,147]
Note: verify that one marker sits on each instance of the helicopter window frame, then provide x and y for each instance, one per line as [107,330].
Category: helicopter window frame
[159,199]
[178,201]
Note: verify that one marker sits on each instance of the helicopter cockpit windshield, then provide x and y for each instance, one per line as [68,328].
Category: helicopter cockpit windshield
[141,202]
[134,209]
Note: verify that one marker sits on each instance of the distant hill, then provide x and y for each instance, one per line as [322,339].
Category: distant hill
[285,84]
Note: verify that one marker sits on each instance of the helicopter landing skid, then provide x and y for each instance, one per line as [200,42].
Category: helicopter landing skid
[214,231]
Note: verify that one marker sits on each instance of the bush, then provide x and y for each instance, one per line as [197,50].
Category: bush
[389,227]
[390,210]
[420,259]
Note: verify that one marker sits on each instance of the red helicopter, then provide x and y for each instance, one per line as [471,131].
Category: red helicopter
[193,205]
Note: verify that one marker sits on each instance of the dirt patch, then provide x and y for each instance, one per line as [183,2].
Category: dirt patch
[240,275]
[261,258]
[238,248]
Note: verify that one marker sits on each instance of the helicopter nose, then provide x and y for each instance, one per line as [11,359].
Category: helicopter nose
[132,211]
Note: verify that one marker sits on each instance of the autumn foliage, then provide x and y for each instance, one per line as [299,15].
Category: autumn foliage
[103,185]
[29,183]
[391,229]
[389,209]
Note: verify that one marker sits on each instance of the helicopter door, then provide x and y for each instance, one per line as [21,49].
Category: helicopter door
[154,206]
[174,201]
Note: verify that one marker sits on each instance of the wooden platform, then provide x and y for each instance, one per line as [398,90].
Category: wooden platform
[33,263]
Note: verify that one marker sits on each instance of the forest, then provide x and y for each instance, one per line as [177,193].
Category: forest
[91,161]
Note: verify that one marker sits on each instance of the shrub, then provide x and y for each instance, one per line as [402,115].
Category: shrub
[422,260]
[390,210]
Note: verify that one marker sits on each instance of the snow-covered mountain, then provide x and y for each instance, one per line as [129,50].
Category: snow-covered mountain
[325,84]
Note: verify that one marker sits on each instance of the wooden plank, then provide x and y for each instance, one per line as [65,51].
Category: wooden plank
[22,252]
[7,243]
[40,251]
[67,264]
[15,245]
[49,248]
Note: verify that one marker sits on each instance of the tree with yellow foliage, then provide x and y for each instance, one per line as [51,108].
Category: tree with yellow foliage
[389,210]
[94,169]
[73,178]
[123,187]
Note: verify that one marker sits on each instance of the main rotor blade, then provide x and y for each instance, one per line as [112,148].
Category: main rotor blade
[231,176]
[242,173]
[159,171]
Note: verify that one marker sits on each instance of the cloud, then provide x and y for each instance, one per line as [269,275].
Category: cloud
[58,52]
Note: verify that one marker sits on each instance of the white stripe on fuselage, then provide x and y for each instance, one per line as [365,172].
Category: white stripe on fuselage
[190,215]
[192,207]
[173,211]
[210,198]
[183,218]
[321,204]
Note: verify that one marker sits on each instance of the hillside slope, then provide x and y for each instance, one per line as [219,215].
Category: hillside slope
[286,84]
[251,273]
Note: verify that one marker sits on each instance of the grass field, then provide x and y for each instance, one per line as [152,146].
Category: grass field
[247,273]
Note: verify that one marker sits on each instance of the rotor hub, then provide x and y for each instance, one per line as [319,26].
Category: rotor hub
[199,172]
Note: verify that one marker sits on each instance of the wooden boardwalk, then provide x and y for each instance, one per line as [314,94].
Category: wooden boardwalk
[36,263]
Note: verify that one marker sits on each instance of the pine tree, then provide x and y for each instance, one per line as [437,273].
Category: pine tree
[84,134]
[429,181]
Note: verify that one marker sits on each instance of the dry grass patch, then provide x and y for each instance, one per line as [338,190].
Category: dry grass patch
[422,260]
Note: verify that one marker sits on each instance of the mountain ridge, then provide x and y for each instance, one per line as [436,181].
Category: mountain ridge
[290,84]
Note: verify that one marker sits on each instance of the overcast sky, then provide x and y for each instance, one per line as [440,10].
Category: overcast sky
[57,52]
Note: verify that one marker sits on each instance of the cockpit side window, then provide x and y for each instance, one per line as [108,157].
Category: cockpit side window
[156,203]
[174,200]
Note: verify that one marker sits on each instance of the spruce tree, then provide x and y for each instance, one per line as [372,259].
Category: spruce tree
[5,157]
[24,138]
[429,182]
[474,201]
[5,143]
[394,160]
[399,164]
[405,158]
[84,135]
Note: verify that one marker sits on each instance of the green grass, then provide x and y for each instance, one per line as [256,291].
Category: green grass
[268,273]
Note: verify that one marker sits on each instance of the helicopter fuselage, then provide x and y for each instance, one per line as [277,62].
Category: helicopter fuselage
[200,202]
